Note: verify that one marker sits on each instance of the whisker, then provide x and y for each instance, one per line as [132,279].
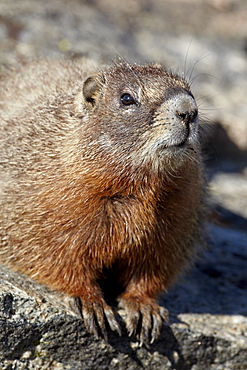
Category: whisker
[184,73]
[190,71]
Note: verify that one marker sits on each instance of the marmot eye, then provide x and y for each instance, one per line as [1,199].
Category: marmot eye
[127,99]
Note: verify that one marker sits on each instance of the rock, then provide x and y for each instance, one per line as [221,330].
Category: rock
[208,326]
[230,189]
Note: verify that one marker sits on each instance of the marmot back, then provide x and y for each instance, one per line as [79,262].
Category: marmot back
[100,178]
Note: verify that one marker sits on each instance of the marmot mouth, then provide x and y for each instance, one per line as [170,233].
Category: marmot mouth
[178,144]
[173,147]
[181,145]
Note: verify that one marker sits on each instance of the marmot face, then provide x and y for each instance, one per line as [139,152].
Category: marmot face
[149,112]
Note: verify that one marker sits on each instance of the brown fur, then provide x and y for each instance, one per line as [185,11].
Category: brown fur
[85,190]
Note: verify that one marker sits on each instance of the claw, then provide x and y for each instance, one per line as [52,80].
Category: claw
[146,324]
[90,313]
[133,316]
[114,325]
[143,319]
[157,324]
[94,315]
[76,306]
[132,322]
[96,312]
[147,317]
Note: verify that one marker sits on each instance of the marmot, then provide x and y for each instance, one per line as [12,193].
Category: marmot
[100,176]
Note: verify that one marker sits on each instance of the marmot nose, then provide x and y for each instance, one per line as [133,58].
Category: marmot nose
[186,110]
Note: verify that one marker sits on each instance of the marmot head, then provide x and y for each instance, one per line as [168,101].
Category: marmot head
[144,111]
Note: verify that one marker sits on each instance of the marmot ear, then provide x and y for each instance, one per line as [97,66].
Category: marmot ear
[92,87]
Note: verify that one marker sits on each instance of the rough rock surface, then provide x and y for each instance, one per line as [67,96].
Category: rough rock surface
[205,40]
[208,323]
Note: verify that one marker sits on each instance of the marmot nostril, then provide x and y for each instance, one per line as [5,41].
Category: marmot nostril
[188,116]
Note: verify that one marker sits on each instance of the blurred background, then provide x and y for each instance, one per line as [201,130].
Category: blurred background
[204,40]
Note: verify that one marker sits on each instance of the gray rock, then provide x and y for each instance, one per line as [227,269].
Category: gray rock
[208,327]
